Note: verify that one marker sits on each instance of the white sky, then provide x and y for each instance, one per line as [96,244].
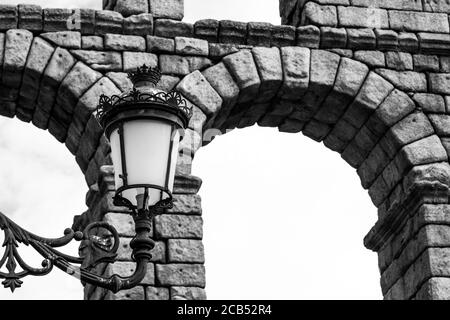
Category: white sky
[284,217]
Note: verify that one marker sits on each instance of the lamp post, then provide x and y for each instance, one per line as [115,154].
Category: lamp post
[144,127]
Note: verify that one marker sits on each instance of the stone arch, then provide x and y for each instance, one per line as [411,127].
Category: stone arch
[379,127]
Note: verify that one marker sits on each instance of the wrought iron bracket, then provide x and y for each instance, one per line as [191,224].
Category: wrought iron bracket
[97,248]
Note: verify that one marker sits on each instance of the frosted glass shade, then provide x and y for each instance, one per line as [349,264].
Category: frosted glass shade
[144,154]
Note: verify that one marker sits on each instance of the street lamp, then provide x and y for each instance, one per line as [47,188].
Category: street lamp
[144,127]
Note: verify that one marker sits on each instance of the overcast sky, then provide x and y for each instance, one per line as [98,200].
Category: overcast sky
[284,217]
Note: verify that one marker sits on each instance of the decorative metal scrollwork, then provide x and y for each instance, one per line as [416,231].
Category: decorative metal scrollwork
[100,249]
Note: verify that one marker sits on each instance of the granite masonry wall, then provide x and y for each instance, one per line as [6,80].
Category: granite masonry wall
[368,79]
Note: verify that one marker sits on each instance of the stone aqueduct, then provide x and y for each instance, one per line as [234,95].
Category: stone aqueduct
[369,79]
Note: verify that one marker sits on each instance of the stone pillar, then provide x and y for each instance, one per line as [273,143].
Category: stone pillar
[176,270]
[412,237]
[169,9]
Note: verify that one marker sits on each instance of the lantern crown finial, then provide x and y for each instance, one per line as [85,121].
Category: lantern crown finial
[145,73]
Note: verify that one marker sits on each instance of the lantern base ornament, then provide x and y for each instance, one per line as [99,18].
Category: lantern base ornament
[99,241]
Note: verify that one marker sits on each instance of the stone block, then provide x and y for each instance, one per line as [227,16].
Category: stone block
[191,46]
[155,293]
[172,28]
[123,223]
[172,9]
[399,61]
[158,44]
[436,288]
[199,91]
[408,42]
[319,15]
[124,42]
[66,39]
[283,36]
[174,65]
[405,80]
[361,39]
[308,36]
[108,22]
[137,293]
[296,70]
[440,83]
[333,37]
[430,103]
[129,8]
[259,34]
[316,130]
[426,63]
[92,43]
[433,43]
[268,62]
[427,150]
[374,59]
[17,45]
[58,20]
[9,17]
[187,293]
[207,29]
[178,227]
[140,25]
[180,275]
[185,251]
[242,67]
[100,60]
[233,32]
[127,269]
[219,50]
[441,123]
[357,17]
[186,204]
[387,40]
[418,21]
[133,60]
[30,17]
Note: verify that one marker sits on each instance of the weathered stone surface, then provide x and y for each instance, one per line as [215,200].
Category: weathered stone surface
[8,17]
[186,204]
[123,223]
[174,65]
[124,43]
[128,8]
[434,43]
[371,58]
[198,90]
[387,39]
[430,102]
[308,36]
[17,45]
[187,293]
[180,275]
[198,63]
[296,67]
[316,14]
[431,174]
[349,79]
[408,42]
[436,288]
[405,80]
[418,21]
[363,17]
[75,84]
[259,34]
[140,25]
[232,32]
[58,20]
[137,293]
[283,35]
[268,62]
[191,46]
[124,251]
[427,150]
[361,39]
[159,44]
[207,29]
[178,226]
[108,22]
[426,63]
[187,251]
[92,43]
[440,83]
[171,28]
[132,60]
[399,61]
[173,9]
[242,67]
[441,124]
[333,37]
[38,58]
[100,60]
[30,17]
[155,293]
[373,92]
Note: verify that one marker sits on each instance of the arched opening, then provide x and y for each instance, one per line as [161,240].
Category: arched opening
[42,189]
[284,219]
